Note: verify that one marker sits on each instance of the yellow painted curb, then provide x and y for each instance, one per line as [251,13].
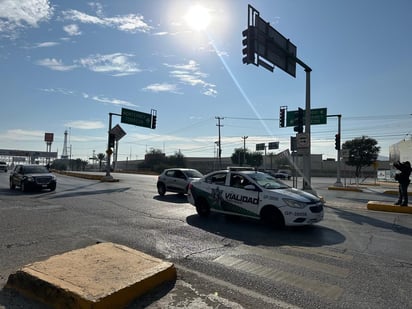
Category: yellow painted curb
[105,275]
[345,189]
[373,205]
[394,192]
[86,176]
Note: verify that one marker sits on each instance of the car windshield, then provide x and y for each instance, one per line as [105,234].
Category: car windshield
[267,181]
[35,169]
[193,174]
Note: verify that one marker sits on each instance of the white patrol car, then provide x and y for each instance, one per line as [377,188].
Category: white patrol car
[256,195]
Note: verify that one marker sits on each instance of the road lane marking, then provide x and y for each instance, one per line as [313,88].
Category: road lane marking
[317,287]
[252,294]
[297,261]
[321,252]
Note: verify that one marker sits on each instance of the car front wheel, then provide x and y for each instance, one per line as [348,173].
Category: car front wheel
[23,186]
[273,217]
[12,185]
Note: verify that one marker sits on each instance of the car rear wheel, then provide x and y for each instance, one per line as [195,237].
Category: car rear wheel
[202,208]
[161,189]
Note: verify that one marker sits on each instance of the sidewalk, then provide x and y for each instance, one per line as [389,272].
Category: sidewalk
[383,188]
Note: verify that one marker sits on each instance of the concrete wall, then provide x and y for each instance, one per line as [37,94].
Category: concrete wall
[319,167]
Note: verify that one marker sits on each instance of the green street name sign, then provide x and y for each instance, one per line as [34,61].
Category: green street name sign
[136,118]
[317,116]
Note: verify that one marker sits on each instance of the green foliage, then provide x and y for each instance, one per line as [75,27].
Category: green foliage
[240,157]
[177,160]
[254,158]
[156,161]
[100,157]
[363,151]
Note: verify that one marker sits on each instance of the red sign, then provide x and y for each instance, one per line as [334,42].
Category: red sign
[48,137]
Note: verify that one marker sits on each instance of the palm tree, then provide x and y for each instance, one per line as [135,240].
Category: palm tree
[100,157]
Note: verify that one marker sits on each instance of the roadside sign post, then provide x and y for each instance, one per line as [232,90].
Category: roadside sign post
[130,117]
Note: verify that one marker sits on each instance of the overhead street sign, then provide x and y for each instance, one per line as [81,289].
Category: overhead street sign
[273,145]
[317,116]
[136,118]
[260,146]
[274,47]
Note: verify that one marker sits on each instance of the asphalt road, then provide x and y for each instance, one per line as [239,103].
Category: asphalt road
[355,258]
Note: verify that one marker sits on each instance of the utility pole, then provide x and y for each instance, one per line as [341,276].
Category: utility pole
[244,149]
[219,142]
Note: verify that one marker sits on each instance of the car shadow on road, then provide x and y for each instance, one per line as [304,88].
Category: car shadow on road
[8,192]
[172,198]
[361,220]
[254,232]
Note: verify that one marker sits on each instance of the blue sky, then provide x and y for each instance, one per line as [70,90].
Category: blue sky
[67,64]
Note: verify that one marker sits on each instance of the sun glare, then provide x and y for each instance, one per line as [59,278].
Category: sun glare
[197,18]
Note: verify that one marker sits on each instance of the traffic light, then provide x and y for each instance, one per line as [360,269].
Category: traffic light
[299,121]
[337,141]
[154,118]
[249,45]
[112,138]
[282,117]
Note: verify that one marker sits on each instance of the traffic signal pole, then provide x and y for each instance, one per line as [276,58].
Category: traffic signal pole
[307,157]
[263,41]
[108,151]
[338,147]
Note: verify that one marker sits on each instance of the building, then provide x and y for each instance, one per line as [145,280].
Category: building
[401,151]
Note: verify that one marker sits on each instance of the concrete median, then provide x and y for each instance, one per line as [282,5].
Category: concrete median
[381,206]
[105,275]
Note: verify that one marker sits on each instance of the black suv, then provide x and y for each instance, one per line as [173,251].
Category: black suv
[32,177]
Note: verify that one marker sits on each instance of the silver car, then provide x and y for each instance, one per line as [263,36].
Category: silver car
[3,166]
[176,180]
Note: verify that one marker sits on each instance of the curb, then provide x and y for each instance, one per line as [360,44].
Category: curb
[395,192]
[105,275]
[345,189]
[87,176]
[380,206]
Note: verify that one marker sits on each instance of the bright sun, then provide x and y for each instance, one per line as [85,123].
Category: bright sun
[197,18]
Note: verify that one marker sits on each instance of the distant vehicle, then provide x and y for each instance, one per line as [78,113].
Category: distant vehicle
[176,180]
[3,166]
[282,175]
[255,195]
[32,177]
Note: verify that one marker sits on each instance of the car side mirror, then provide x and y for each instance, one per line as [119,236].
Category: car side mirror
[250,187]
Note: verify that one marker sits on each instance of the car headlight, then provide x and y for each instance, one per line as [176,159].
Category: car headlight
[294,203]
[30,178]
